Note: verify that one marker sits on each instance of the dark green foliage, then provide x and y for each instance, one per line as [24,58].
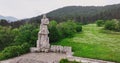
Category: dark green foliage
[67,29]
[4,22]
[13,51]
[79,27]
[2,56]
[18,40]
[100,22]
[27,33]
[17,24]
[63,30]
[7,36]
[117,27]
[54,35]
[112,25]
[66,61]
[25,48]
[83,14]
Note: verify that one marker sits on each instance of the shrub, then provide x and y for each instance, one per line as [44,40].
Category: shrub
[79,28]
[67,29]
[54,35]
[13,51]
[112,25]
[66,61]
[100,22]
[117,27]
[25,48]
[6,33]
[63,30]
[2,56]
[27,33]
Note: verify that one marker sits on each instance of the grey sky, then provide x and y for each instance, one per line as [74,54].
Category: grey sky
[29,8]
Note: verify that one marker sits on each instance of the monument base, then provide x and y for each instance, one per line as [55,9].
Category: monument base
[35,49]
[54,48]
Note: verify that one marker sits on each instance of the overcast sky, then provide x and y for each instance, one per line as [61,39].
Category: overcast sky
[29,8]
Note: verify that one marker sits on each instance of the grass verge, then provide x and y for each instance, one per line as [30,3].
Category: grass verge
[92,43]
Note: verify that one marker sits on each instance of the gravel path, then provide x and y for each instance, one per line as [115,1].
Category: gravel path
[48,58]
[45,57]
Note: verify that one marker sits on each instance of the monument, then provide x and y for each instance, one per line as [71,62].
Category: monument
[43,44]
[43,39]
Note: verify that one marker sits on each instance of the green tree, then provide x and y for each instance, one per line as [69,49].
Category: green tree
[117,26]
[6,36]
[13,51]
[100,22]
[112,25]
[4,22]
[54,35]
[78,27]
[27,33]
[67,29]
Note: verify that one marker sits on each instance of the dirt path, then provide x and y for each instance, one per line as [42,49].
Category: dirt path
[50,57]
[45,57]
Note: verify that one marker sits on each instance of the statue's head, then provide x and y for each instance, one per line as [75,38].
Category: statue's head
[44,16]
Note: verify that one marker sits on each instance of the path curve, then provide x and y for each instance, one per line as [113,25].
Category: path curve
[51,57]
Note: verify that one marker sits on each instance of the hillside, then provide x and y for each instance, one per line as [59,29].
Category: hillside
[84,14]
[9,18]
[94,42]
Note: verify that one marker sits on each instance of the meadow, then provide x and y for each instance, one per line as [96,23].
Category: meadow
[94,42]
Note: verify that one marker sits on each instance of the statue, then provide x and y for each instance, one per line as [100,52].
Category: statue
[43,39]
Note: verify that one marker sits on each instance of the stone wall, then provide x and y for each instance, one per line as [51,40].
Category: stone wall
[55,49]
[61,49]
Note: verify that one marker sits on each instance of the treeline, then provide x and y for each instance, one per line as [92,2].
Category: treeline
[83,14]
[17,41]
[15,24]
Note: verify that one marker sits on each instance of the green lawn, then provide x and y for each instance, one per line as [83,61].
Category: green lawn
[94,43]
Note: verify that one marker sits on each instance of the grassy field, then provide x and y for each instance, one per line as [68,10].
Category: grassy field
[93,42]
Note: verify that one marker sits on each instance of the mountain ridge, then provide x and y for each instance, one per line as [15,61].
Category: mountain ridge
[82,13]
[8,18]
